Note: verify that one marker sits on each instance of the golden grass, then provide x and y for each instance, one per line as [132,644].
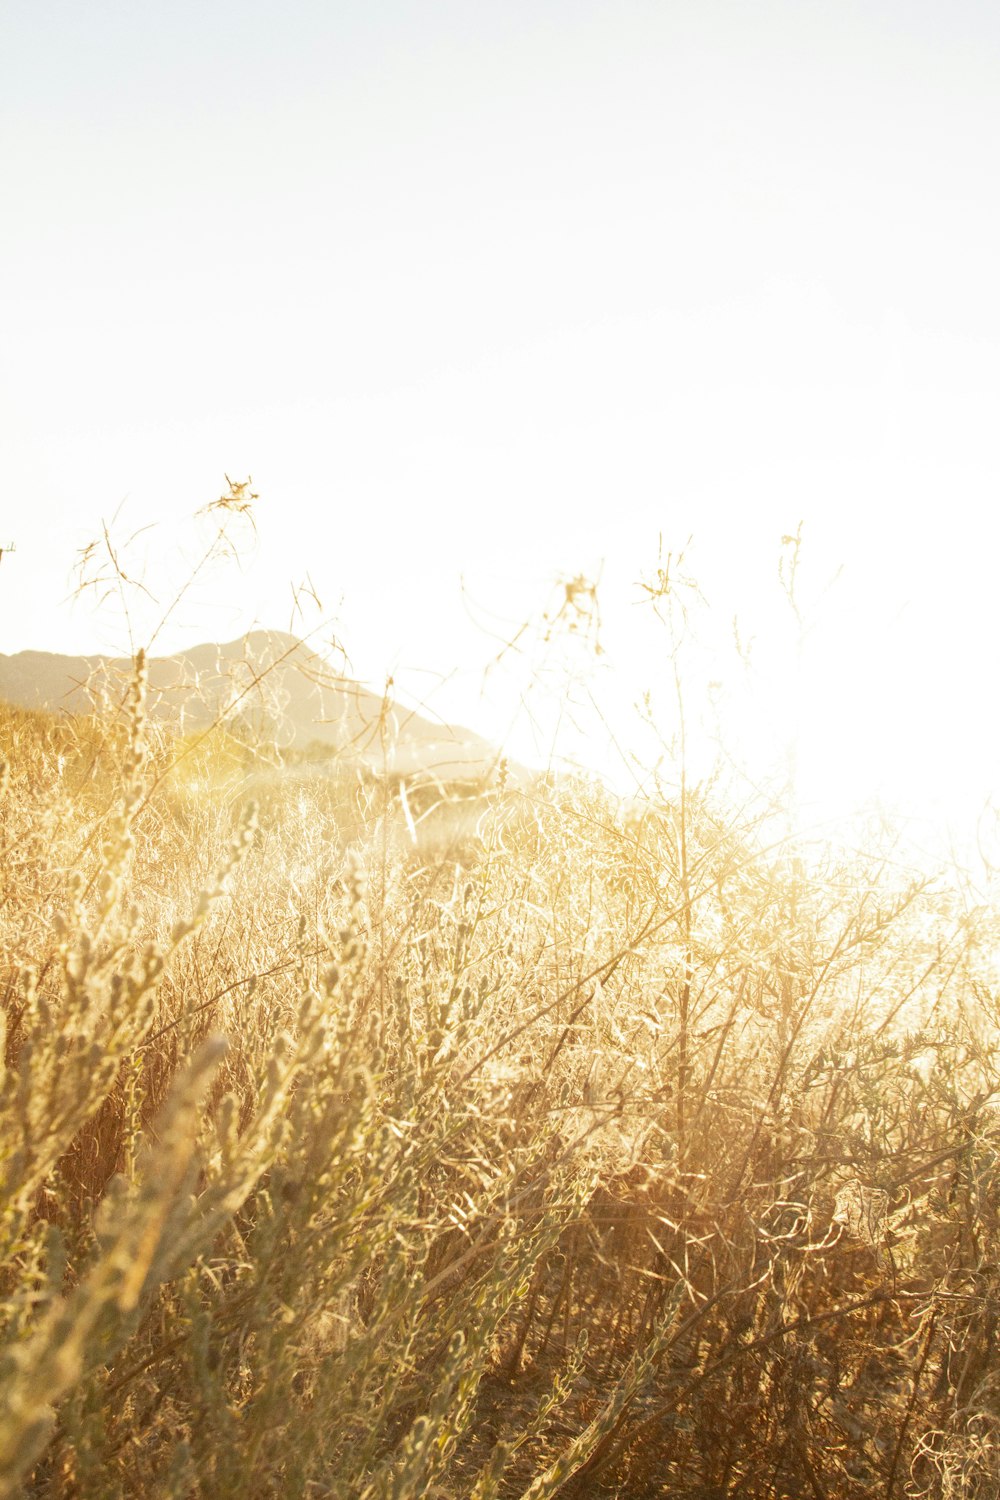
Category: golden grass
[622,1155]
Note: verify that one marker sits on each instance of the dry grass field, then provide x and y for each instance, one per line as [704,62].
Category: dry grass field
[592,1152]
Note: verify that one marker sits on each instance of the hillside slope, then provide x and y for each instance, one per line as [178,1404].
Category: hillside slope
[269,683]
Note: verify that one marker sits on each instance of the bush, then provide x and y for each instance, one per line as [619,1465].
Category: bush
[629,1154]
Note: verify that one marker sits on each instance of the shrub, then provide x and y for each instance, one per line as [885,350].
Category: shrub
[629,1154]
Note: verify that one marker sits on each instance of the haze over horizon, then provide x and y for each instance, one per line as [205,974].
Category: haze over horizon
[504,295]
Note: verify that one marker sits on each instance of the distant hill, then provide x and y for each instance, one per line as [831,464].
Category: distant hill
[268,683]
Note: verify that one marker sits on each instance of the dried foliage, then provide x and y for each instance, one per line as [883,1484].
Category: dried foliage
[594,1151]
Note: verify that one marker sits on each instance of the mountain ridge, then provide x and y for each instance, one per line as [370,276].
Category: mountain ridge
[271,684]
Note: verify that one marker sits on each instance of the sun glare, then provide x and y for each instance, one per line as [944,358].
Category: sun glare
[499,920]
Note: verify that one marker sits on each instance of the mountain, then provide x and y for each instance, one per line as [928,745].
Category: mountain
[267,683]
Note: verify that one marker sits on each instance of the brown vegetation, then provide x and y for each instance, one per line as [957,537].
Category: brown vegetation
[629,1154]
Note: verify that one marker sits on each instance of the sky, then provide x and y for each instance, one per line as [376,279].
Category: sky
[489,296]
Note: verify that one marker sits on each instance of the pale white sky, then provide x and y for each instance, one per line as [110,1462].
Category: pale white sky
[508,290]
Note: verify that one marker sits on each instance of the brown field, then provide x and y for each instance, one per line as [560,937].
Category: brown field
[573,1150]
